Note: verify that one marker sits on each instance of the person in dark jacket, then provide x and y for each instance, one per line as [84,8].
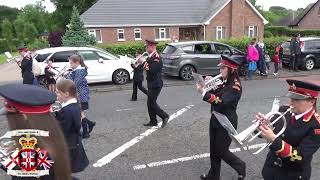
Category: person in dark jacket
[29,107]
[225,101]
[69,118]
[295,49]
[153,66]
[137,79]
[26,66]
[291,153]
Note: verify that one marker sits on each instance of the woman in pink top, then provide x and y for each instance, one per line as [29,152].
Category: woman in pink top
[252,56]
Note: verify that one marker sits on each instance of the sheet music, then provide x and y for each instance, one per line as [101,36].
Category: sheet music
[198,79]
[224,121]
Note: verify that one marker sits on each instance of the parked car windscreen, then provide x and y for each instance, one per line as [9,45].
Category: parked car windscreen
[169,49]
[41,57]
[62,56]
[312,44]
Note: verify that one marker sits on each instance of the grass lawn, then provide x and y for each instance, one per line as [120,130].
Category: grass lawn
[3,58]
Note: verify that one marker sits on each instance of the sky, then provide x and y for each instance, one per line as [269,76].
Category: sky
[289,4]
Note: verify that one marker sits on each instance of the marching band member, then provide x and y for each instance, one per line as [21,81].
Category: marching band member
[153,66]
[69,118]
[26,66]
[29,107]
[224,100]
[291,153]
[137,79]
[78,76]
[49,77]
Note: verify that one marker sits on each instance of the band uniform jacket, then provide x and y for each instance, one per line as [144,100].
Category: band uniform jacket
[225,100]
[26,70]
[154,79]
[291,153]
[137,72]
[69,118]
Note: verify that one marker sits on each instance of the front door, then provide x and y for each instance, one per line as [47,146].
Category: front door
[189,34]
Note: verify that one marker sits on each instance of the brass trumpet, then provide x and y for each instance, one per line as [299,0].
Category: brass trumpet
[214,83]
[136,61]
[244,138]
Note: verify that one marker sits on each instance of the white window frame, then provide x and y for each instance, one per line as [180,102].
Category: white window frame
[137,30]
[121,31]
[251,28]
[219,29]
[163,30]
[94,33]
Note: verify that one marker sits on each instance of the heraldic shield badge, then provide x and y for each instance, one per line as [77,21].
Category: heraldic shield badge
[28,160]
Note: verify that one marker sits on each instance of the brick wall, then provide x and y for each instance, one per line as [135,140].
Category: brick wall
[236,17]
[110,35]
[312,19]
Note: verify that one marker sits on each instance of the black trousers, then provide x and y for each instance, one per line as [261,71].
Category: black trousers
[276,67]
[219,150]
[153,107]
[294,62]
[136,85]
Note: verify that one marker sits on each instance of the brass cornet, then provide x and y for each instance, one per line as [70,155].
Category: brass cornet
[214,83]
[136,61]
[244,138]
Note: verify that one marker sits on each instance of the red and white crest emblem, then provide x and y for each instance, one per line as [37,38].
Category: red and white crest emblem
[28,159]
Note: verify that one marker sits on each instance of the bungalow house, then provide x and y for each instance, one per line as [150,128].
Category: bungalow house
[309,18]
[112,21]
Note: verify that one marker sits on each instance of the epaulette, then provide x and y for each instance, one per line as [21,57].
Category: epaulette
[317,116]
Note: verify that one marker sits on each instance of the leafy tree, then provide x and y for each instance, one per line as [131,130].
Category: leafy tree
[7,33]
[76,34]
[19,29]
[34,14]
[55,39]
[30,33]
[7,13]
[63,9]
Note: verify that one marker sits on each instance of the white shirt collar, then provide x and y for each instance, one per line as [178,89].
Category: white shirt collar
[302,114]
[151,54]
[79,67]
[70,101]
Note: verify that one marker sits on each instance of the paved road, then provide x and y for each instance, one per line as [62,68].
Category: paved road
[177,152]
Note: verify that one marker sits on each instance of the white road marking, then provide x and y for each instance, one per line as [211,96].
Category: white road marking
[128,109]
[189,158]
[108,158]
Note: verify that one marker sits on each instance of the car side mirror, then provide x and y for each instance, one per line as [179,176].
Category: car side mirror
[100,60]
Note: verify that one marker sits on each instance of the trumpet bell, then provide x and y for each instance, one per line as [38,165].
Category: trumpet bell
[242,138]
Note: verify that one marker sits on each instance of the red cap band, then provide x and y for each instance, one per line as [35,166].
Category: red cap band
[303,91]
[27,109]
[228,64]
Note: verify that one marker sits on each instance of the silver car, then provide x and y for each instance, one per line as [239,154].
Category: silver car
[183,58]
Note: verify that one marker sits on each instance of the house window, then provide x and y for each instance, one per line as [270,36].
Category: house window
[120,34]
[162,34]
[253,31]
[220,32]
[137,34]
[96,33]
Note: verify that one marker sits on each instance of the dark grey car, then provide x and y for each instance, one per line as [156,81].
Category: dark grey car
[183,58]
[310,53]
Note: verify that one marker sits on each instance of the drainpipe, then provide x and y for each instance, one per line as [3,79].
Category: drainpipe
[204,32]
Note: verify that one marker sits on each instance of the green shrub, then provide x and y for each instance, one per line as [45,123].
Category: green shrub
[129,48]
[268,34]
[38,44]
[285,31]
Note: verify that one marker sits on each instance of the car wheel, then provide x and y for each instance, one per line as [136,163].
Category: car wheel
[309,64]
[186,72]
[242,71]
[120,76]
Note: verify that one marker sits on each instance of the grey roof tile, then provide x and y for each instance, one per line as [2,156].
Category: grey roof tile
[150,12]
